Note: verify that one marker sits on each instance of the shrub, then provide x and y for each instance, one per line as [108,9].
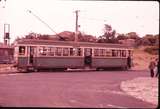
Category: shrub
[152,50]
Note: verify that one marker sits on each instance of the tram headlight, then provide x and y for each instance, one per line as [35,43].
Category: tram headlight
[41,51]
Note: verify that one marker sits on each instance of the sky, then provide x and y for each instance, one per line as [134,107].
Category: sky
[141,17]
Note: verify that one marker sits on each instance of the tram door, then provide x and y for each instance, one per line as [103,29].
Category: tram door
[31,55]
[88,56]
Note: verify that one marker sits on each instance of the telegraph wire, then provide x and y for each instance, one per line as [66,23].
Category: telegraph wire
[44,23]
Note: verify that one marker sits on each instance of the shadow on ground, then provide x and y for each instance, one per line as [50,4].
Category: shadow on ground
[77,70]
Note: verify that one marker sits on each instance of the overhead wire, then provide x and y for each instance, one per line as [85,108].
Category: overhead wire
[45,23]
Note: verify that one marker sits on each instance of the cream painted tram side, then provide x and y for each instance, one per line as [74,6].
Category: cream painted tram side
[44,54]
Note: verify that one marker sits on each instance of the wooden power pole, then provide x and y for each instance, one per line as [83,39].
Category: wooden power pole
[76,29]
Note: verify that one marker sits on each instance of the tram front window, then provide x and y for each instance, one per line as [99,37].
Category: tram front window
[21,50]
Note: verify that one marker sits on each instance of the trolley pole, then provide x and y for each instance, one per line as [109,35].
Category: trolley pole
[76,29]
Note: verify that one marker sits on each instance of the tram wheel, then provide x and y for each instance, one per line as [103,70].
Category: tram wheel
[36,70]
[27,71]
[98,69]
[125,68]
[60,69]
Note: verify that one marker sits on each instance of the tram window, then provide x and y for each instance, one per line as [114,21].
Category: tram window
[1,51]
[72,52]
[114,53]
[96,52]
[88,52]
[51,51]
[65,51]
[120,53]
[21,50]
[102,52]
[42,50]
[58,51]
[123,53]
[130,53]
[108,53]
[79,52]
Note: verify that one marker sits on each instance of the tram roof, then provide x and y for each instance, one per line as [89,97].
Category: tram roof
[6,47]
[69,43]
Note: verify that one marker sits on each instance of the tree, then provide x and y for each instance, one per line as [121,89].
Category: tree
[132,35]
[157,39]
[135,36]
[89,38]
[150,38]
[121,37]
[31,35]
[108,36]
[44,37]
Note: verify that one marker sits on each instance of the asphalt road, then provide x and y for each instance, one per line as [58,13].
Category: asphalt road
[94,89]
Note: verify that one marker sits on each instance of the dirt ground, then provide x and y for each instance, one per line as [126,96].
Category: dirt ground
[142,59]
[146,91]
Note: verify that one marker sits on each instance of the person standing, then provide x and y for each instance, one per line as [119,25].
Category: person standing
[129,62]
[157,74]
[152,66]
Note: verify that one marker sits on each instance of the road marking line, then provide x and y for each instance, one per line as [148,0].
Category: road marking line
[115,106]
[12,74]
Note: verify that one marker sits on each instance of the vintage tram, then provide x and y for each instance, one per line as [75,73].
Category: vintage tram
[6,54]
[32,54]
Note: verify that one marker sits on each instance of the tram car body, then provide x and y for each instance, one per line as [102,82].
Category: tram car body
[6,54]
[47,54]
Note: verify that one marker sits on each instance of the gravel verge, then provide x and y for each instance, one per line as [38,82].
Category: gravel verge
[144,88]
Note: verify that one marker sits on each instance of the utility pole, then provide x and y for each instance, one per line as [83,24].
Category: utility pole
[7,34]
[76,29]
